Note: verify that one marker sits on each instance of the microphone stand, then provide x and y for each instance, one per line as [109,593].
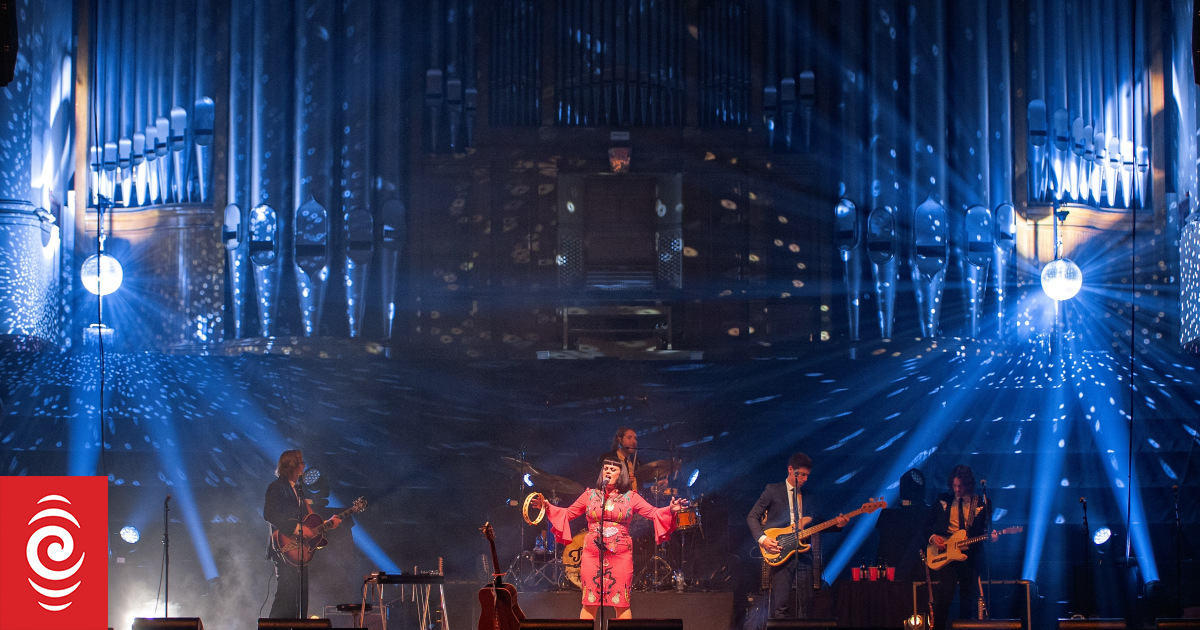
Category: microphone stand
[987,558]
[1178,554]
[603,550]
[166,555]
[303,568]
[1087,563]
[796,614]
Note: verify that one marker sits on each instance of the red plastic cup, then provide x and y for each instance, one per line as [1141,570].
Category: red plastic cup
[873,573]
[891,574]
[855,574]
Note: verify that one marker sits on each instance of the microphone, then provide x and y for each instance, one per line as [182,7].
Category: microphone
[1083,501]
[166,500]
[983,482]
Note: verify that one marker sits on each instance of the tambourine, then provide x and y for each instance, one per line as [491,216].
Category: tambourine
[525,508]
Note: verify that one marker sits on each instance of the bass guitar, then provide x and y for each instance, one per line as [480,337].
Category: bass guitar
[498,601]
[297,554]
[791,539]
[938,557]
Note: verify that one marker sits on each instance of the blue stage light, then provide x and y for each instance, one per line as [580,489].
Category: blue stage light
[311,476]
[693,477]
[1101,535]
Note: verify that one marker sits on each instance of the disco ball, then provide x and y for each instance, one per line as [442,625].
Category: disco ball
[101,274]
[1061,279]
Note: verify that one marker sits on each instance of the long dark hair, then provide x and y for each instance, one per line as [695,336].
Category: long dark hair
[624,483]
[963,473]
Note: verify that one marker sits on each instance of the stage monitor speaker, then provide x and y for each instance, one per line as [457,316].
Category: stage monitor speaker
[645,624]
[167,623]
[1092,624]
[987,624]
[558,624]
[800,624]
[293,624]
[1177,624]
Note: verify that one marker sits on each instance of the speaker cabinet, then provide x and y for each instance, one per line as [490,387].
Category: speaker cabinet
[800,624]
[1092,624]
[558,624]
[987,624]
[168,623]
[293,624]
[645,624]
[1177,624]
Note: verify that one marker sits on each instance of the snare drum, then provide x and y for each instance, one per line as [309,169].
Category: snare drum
[687,519]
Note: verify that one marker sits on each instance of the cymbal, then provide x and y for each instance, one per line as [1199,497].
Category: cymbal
[553,483]
[521,466]
[658,469]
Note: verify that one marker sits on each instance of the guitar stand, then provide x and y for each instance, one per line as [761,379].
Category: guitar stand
[422,589]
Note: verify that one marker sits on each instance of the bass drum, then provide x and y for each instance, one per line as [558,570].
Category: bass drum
[572,557]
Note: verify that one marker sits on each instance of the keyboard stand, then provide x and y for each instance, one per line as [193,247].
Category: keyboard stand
[422,585]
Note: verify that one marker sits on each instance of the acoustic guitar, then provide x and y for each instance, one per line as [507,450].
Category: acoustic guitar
[936,558]
[791,539]
[296,554]
[498,601]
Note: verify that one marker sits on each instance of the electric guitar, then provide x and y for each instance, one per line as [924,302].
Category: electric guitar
[498,601]
[293,552]
[938,557]
[791,539]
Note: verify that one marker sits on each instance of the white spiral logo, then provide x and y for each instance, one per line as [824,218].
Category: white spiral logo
[58,551]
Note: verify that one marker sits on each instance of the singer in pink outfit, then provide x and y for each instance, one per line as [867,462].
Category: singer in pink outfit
[609,580]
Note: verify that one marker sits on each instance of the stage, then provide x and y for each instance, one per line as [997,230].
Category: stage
[698,610]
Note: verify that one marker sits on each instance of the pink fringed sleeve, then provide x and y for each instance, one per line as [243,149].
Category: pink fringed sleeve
[663,518]
[560,518]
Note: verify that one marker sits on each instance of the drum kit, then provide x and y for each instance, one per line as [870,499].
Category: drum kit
[551,566]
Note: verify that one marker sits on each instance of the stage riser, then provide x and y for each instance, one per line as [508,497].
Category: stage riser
[699,611]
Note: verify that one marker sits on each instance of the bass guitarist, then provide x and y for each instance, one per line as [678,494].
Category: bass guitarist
[285,511]
[784,505]
[957,510]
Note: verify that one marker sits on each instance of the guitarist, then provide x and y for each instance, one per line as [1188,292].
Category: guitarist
[285,510]
[959,509]
[784,504]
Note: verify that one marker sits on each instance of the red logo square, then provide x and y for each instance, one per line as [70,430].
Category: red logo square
[54,551]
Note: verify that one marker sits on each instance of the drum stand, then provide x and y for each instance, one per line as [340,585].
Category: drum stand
[660,573]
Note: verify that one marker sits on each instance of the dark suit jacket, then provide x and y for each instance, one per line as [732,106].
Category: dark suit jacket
[281,509]
[774,503]
[939,519]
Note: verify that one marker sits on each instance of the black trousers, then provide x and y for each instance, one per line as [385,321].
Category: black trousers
[291,591]
[786,602]
[962,577]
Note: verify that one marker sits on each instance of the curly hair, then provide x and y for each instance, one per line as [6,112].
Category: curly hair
[963,473]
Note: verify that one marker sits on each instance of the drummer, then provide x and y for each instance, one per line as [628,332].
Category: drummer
[655,475]
[624,450]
